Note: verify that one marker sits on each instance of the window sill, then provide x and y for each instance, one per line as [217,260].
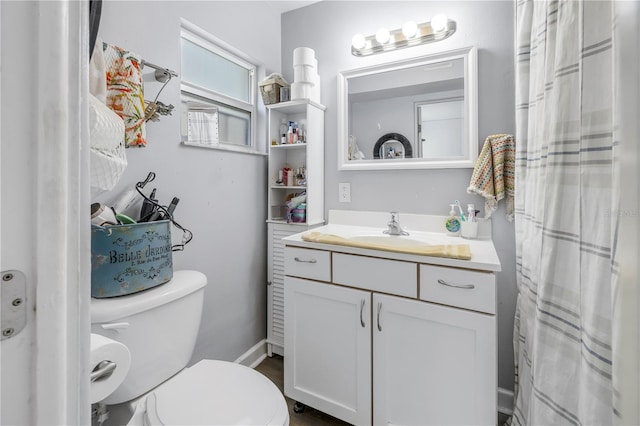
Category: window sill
[230,148]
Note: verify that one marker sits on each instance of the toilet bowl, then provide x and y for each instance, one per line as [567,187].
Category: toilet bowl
[213,393]
[159,327]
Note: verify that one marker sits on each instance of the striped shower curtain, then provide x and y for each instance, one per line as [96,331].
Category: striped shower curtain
[567,334]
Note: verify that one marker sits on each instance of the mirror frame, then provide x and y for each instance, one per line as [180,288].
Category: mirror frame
[469,55]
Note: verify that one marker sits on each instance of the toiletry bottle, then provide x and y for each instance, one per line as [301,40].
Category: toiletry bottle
[471,213]
[283,130]
[452,225]
[301,134]
[290,133]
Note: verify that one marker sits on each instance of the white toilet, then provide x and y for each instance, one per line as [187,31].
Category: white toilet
[159,326]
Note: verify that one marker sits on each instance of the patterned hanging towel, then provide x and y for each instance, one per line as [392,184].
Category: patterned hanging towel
[494,173]
[125,92]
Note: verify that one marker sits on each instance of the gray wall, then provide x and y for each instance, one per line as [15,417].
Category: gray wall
[327,27]
[222,194]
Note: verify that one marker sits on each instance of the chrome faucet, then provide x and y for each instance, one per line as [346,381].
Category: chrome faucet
[394,226]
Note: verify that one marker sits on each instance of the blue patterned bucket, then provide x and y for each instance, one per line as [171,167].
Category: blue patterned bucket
[127,259]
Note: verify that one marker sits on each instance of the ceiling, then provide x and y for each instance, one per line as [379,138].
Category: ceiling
[286,6]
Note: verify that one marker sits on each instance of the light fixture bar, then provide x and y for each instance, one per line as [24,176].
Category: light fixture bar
[397,40]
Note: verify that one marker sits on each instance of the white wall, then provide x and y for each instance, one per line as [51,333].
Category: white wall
[327,27]
[222,194]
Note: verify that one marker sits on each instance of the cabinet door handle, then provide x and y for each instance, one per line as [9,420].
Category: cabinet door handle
[465,286]
[379,309]
[297,259]
[361,311]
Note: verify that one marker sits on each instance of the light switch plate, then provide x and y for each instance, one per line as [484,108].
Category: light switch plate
[344,192]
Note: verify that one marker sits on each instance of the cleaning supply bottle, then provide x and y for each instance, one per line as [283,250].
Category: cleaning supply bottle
[452,225]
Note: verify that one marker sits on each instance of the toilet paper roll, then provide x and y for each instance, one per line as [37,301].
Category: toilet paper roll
[301,90]
[315,92]
[104,349]
[304,56]
[304,74]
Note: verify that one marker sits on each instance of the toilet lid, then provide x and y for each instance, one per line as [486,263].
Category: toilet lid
[217,393]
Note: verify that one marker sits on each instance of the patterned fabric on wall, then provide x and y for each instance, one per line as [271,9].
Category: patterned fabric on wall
[125,92]
[564,204]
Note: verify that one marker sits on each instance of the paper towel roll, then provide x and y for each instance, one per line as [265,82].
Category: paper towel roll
[105,349]
[301,90]
[315,92]
[304,56]
[304,74]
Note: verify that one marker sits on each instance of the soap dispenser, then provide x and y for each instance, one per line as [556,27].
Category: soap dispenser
[452,225]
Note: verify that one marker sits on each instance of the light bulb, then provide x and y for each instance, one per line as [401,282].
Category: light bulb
[410,29]
[383,36]
[358,41]
[439,22]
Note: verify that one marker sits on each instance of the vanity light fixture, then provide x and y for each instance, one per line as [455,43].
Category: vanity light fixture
[383,36]
[411,34]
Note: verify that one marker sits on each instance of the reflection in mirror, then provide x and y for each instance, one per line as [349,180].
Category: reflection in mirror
[392,146]
[441,120]
[419,113]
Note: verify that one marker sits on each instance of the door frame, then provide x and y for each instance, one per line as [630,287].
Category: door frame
[58,271]
[63,274]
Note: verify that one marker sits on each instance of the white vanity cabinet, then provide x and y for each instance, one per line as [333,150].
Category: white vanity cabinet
[378,338]
[432,364]
[328,348]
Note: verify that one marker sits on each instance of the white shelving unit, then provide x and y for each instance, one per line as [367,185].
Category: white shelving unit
[309,155]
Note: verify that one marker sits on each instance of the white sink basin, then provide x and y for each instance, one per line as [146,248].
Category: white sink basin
[410,240]
[425,243]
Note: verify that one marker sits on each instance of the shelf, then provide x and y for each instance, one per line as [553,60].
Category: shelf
[288,146]
[305,224]
[284,221]
[299,105]
[288,187]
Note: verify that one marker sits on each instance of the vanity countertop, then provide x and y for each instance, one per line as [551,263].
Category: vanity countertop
[421,227]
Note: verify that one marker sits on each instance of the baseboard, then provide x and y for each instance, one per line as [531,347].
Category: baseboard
[505,401]
[254,356]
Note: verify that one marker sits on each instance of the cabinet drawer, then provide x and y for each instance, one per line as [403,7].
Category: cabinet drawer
[383,275]
[462,288]
[306,263]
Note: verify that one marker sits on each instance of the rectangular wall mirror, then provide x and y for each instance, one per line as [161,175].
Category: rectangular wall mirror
[411,114]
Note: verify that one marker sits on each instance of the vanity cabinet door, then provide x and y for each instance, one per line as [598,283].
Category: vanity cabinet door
[327,359]
[432,364]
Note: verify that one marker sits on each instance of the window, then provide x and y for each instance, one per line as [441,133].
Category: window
[219,93]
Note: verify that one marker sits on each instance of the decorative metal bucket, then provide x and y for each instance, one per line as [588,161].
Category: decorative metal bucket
[127,259]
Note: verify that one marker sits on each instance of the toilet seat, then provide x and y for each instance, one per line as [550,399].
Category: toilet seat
[214,393]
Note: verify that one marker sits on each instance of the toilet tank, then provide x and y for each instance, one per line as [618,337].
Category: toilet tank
[158,325]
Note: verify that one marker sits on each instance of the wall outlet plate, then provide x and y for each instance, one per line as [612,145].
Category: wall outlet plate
[344,192]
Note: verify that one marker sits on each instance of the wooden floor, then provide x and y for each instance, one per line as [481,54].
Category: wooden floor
[273,368]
